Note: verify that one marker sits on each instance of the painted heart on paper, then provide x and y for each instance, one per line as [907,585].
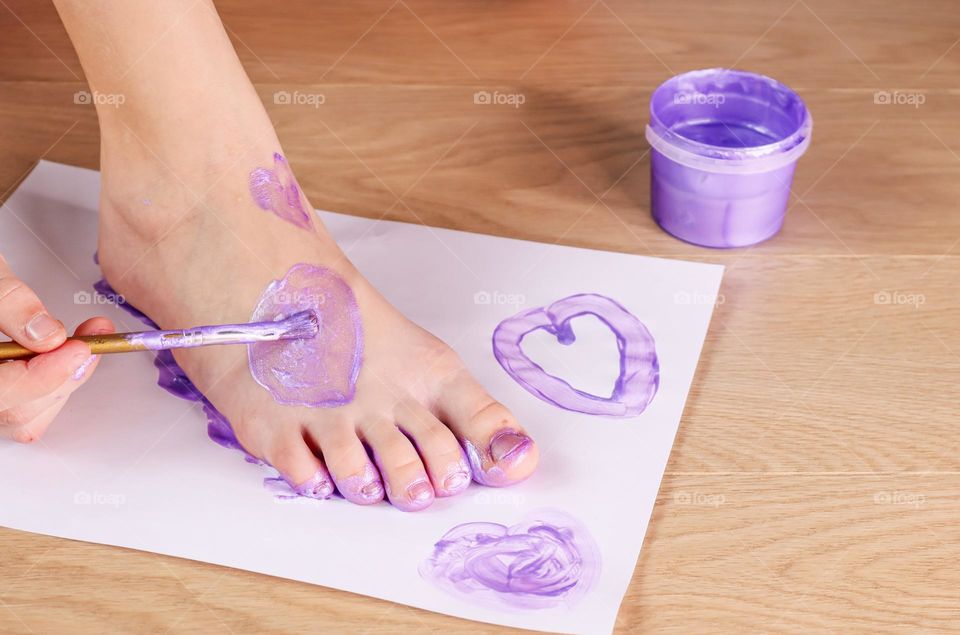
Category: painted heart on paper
[639,369]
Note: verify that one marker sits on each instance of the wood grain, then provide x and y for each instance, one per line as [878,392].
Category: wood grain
[814,483]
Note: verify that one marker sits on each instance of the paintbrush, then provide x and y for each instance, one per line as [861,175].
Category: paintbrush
[303,325]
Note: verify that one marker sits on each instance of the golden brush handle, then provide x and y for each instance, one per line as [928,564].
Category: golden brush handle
[99,345]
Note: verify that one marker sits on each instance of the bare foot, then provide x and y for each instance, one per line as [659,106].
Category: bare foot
[195,236]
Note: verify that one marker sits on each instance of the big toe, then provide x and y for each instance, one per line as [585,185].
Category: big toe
[500,452]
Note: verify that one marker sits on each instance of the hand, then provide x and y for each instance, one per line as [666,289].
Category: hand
[32,392]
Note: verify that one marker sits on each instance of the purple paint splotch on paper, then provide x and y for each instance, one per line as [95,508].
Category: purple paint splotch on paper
[547,560]
[320,372]
[639,368]
[277,191]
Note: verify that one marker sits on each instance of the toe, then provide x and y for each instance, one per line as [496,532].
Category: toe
[299,466]
[405,477]
[499,451]
[355,475]
[439,450]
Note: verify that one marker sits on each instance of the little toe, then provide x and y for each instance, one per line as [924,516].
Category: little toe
[299,466]
[355,475]
[404,475]
[499,451]
[439,450]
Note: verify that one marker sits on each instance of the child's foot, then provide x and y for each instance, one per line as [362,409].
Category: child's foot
[429,426]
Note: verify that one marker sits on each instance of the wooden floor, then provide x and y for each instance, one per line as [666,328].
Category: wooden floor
[814,483]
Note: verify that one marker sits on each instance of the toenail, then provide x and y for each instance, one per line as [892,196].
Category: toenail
[371,490]
[420,491]
[317,486]
[41,327]
[508,445]
[456,481]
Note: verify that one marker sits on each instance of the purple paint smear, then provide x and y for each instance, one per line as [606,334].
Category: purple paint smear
[639,369]
[547,560]
[277,191]
[320,372]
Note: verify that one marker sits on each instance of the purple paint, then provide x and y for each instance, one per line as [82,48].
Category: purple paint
[82,368]
[490,465]
[548,560]
[724,145]
[639,369]
[277,191]
[320,372]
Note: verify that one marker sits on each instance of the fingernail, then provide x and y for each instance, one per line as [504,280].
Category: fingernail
[507,444]
[84,361]
[456,481]
[41,327]
[420,491]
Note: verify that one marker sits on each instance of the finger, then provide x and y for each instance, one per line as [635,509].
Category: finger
[94,326]
[41,414]
[27,422]
[24,381]
[23,317]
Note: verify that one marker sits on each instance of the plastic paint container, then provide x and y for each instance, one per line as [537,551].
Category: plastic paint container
[724,147]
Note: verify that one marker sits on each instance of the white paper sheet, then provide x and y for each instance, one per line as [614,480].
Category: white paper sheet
[128,464]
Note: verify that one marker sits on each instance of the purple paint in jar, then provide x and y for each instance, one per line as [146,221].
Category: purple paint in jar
[724,145]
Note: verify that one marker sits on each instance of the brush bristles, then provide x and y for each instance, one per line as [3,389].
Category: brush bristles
[303,325]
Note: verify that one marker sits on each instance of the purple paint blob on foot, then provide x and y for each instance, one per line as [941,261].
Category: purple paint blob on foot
[320,372]
[547,560]
[277,191]
[639,368]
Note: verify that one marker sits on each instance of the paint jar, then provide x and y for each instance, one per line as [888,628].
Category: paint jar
[724,145]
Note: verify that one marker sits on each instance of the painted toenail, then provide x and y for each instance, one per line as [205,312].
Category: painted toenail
[420,491]
[317,486]
[508,445]
[492,466]
[456,481]
[373,490]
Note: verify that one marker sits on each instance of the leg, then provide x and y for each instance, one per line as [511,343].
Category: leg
[185,240]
